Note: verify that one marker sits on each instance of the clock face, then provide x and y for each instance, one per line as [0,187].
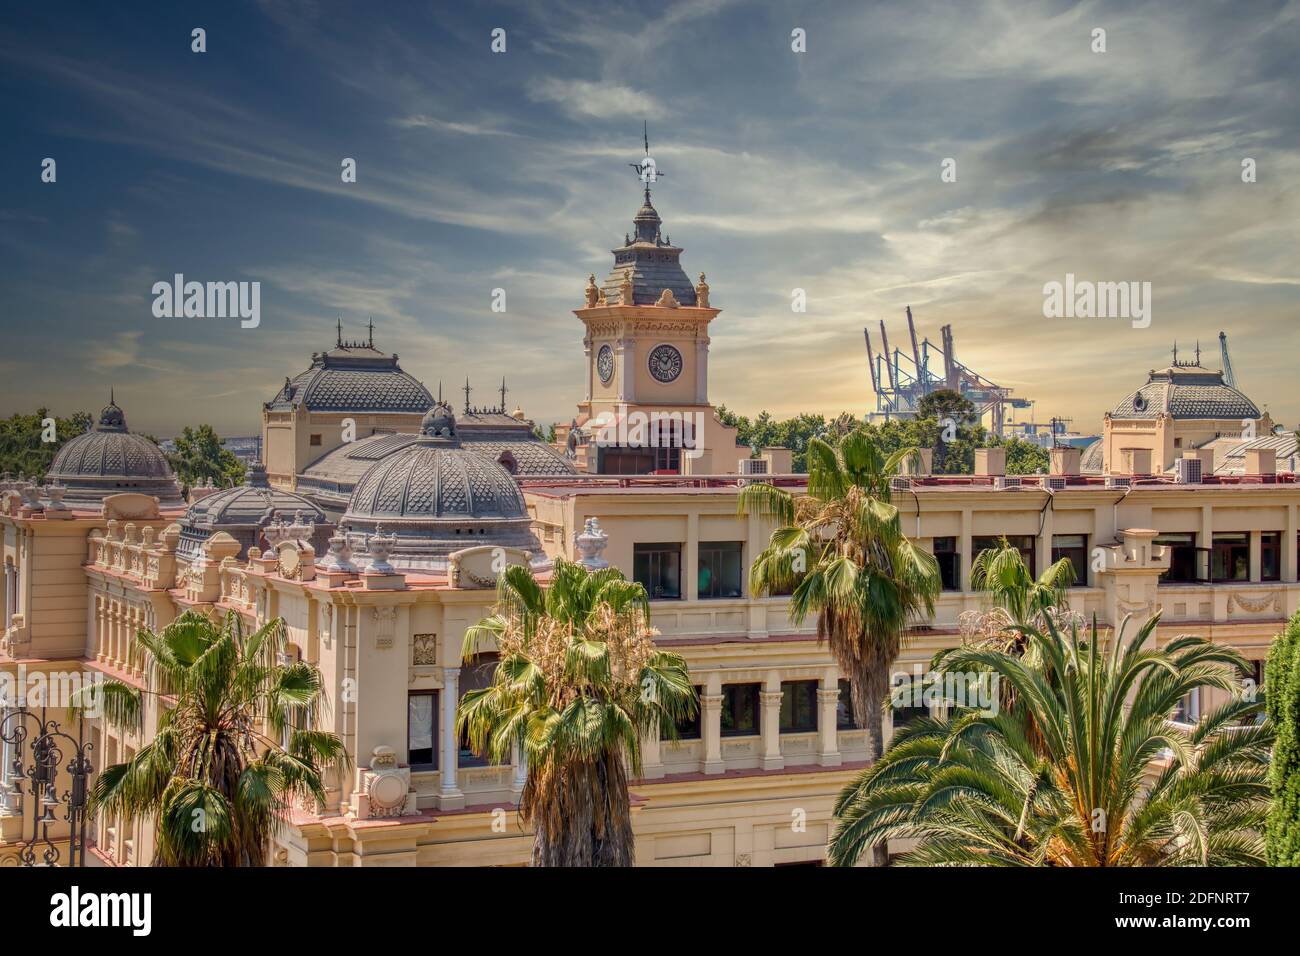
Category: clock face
[665,363]
[605,364]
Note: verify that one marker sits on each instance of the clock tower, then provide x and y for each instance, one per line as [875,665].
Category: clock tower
[646,408]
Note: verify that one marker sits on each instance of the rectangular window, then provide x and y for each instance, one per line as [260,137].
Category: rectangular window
[1188,710]
[844,708]
[315,440]
[1230,557]
[422,730]
[1074,547]
[908,702]
[740,710]
[1024,543]
[1270,556]
[720,569]
[690,729]
[1183,557]
[659,568]
[949,559]
[475,676]
[798,706]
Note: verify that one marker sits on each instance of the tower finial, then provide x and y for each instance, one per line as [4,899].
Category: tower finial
[503,394]
[372,332]
[647,169]
[439,391]
[112,399]
[338,339]
[466,394]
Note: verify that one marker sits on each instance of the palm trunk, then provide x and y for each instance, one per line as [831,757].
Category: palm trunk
[582,815]
[868,688]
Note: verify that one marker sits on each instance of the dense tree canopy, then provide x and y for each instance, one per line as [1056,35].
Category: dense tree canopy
[199,456]
[955,457]
[23,450]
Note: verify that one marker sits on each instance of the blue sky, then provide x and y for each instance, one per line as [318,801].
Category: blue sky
[478,170]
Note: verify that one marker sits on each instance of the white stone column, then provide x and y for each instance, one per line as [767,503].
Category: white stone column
[450,796]
[711,730]
[828,735]
[591,370]
[652,763]
[691,558]
[702,370]
[769,699]
[625,354]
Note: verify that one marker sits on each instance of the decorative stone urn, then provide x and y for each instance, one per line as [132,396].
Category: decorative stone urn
[590,542]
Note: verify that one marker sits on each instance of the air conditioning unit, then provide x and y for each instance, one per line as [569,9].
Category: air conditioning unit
[1056,482]
[1118,481]
[753,466]
[900,483]
[1188,471]
[1003,482]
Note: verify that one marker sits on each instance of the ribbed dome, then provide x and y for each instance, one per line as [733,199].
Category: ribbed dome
[353,377]
[242,512]
[437,497]
[110,451]
[1187,392]
[108,460]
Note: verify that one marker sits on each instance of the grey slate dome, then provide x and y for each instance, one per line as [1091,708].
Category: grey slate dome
[353,377]
[1186,392]
[246,511]
[109,460]
[437,496]
[652,262]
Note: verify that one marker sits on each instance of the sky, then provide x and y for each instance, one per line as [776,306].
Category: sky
[477,170]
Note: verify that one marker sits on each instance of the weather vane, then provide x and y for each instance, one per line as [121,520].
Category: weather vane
[646,168]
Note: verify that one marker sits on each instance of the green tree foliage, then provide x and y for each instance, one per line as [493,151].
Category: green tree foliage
[579,682]
[955,457]
[1282,683]
[1064,776]
[200,456]
[22,451]
[235,747]
[841,553]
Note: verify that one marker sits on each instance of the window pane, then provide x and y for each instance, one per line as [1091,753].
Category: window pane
[949,561]
[720,569]
[690,729]
[421,730]
[844,708]
[475,676]
[739,709]
[798,706]
[658,568]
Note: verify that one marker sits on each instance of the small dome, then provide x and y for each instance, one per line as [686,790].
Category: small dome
[437,497]
[353,377]
[1186,392]
[109,460]
[244,511]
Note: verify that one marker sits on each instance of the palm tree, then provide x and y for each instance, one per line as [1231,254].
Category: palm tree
[1113,783]
[842,549]
[232,752]
[578,682]
[1003,573]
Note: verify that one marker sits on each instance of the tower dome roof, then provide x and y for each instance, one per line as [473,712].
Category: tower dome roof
[108,460]
[1186,391]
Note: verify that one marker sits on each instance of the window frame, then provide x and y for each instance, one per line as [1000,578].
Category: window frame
[716,548]
[648,549]
[788,689]
[728,690]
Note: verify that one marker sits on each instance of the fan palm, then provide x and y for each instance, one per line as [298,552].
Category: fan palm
[1012,587]
[842,549]
[577,684]
[232,752]
[1113,783]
